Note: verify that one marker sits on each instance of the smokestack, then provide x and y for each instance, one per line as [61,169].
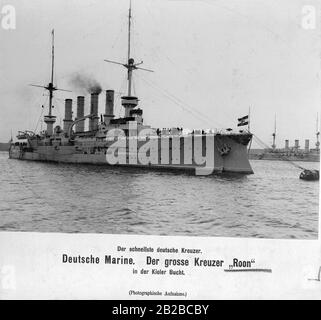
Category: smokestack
[68,114]
[93,123]
[296,144]
[306,145]
[80,126]
[109,107]
[286,144]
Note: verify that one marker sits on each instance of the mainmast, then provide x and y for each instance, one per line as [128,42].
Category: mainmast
[129,102]
[249,119]
[317,144]
[50,119]
[51,87]
[274,134]
[129,22]
[130,61]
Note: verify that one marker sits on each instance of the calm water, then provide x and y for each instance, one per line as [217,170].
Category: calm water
[48,197]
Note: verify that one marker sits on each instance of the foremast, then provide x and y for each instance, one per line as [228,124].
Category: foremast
[274,134]
[317,144]
[50,119]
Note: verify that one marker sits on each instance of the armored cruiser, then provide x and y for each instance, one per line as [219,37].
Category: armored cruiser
[127,137]
[289,153]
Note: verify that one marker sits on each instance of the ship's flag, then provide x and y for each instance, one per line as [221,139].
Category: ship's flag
[243,121]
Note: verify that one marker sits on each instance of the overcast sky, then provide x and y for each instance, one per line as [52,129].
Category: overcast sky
[213,59]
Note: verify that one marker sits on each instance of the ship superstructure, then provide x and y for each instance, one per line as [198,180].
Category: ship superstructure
[127,137]
[288,152]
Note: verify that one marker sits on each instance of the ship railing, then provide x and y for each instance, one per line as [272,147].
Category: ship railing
[175,133]
[181,132]
[25,134]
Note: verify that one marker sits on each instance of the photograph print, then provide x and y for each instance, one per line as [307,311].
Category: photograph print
[161,117]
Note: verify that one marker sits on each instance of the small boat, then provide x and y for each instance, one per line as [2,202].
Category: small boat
[310,175]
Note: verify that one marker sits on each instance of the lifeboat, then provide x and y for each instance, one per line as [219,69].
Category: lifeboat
[310,175]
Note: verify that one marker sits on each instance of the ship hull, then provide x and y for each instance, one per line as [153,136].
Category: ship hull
[236,161]
[304,157]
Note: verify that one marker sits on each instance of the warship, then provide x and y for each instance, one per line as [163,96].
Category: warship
[127,136]
[289,153]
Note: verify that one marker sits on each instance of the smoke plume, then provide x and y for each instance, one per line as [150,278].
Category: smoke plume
[85,83]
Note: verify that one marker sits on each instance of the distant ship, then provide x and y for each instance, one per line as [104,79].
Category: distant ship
[289,153]
[74,144]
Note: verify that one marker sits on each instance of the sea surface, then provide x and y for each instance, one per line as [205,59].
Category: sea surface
[49,197]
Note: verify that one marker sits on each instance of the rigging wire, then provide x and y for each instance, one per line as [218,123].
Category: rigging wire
[45,98]
[183,105]
[134,86]
[118,36]
[268,148]
[187,72]
[120,93]
[39,119]
[57,104]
